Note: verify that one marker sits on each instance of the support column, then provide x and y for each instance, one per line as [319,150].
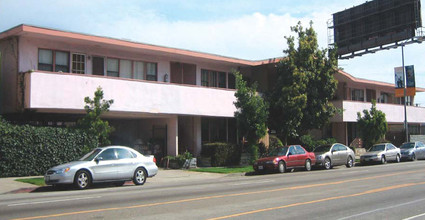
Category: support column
[172,136]
[197,135]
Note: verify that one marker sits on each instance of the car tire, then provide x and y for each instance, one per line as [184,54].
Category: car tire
[413,157]
[308,165]
[139,177]
[350,162]
[281,167]
[383,159]
[82,179]
[397,159]
[327,164]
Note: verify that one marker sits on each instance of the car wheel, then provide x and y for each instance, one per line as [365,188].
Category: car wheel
[82,179]
[350,162]
[413,157]
[308,165]
[281,167]
[139,176]
[397,159]
[327,163]
[119,183]
[383,160]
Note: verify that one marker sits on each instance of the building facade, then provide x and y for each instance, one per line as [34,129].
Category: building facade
[166,100]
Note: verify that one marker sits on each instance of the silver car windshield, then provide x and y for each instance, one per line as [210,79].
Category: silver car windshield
[380,147]
[407,146]
[90,156]
[323,148]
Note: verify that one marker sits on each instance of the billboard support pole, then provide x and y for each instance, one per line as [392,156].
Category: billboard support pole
[406,126]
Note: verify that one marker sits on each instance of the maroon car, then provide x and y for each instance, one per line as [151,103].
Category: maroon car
[282,158]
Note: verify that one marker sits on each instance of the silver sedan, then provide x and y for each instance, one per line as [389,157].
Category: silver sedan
[107,164]
[412,151]
[336,154]
[381,153]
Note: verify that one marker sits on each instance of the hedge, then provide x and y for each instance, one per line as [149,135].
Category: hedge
[222,154]
[28,150]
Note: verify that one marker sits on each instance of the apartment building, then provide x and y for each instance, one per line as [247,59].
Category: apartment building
[166,100]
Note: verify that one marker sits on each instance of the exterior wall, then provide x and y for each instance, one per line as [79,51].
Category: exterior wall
[339,132]
[56,91]
[9,75]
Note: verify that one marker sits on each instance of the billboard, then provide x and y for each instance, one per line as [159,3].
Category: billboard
[374,24]
[399,81]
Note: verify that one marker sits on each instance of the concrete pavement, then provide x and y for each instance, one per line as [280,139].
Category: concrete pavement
[9,185]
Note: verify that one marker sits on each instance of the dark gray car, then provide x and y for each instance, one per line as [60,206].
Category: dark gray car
[336,154]
[412,151]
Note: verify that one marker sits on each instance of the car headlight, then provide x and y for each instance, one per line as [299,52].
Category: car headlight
[63,170]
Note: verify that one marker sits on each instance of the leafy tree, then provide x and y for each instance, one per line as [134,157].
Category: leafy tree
[300,99]
[92,122]
[372,126]
[251,113]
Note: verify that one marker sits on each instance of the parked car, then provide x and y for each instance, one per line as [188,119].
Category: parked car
[106,164]
[336,154]
[381,153]
[282,158]
[412,151]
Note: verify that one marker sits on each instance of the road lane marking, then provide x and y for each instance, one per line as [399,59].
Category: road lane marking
[416,216]
[219,196]
[320,200]
[50,201]
[380,209]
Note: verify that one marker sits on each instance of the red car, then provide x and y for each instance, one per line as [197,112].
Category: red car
[282,158]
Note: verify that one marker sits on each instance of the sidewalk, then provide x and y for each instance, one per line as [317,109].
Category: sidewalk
[9,185]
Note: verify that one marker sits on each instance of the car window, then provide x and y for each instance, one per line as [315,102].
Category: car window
[282,151]
[407,145]
[123,153]
[420,144]
[379,147]
[323,148]
[108,154]
[390,147]
[341,147]
[292,150]
[300,150]
[90,156]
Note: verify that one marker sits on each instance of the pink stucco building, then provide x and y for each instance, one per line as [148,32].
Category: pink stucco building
[166,100]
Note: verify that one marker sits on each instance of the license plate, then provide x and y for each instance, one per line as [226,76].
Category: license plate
[260,167]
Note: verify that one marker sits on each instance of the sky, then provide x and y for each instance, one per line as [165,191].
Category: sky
[246,29]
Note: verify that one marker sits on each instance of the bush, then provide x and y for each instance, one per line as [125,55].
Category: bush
[222,154]
[180,159]
[309,143]
[27,150]
[274,142]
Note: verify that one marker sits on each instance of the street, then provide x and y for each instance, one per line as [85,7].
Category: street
[391,191]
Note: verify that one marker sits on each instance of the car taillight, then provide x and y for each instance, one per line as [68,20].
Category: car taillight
[154,159]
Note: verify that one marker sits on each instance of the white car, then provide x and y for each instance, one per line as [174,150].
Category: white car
[115,164]
[381,153]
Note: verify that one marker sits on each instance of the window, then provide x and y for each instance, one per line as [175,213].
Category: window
[98,66]
[125,69]
[213,79]
[357,95]
[383,98]
[139,70]
[112,69]
[222,79]
[123,153]
[108,154]
[231,81]
[151,71]
[46,59]
[204,78]
[78,63]
[292,150]
[300,150]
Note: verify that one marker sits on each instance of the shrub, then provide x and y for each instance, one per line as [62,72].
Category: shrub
[222,154]
[309,143]
[27,150]
[274,142]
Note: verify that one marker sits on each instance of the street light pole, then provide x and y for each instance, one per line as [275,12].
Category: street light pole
[406,126]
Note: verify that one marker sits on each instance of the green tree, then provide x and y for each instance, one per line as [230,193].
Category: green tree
[372,125]
[92,122]
[251,114]
[300,99]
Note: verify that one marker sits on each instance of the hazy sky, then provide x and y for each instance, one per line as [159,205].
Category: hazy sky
[244,29]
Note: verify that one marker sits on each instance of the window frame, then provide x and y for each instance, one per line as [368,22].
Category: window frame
[53,64]
[75,70]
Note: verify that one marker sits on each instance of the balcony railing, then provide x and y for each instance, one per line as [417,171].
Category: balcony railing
[64,92]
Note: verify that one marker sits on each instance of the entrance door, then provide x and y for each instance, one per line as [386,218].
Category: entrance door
[98,66]
[183,73]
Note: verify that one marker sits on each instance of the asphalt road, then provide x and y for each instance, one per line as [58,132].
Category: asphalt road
[391,191]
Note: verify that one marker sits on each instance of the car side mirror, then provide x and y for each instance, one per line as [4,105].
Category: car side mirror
[289,154]
[98,159]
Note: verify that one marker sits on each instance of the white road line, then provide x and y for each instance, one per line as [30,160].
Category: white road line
[50,201]
[416,216]
[252,182]
[380,209]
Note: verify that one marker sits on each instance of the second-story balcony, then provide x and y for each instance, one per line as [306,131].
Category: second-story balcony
[64,92]
[394,113]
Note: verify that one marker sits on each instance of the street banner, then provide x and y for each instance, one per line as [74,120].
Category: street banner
[410,81]
[410,76]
